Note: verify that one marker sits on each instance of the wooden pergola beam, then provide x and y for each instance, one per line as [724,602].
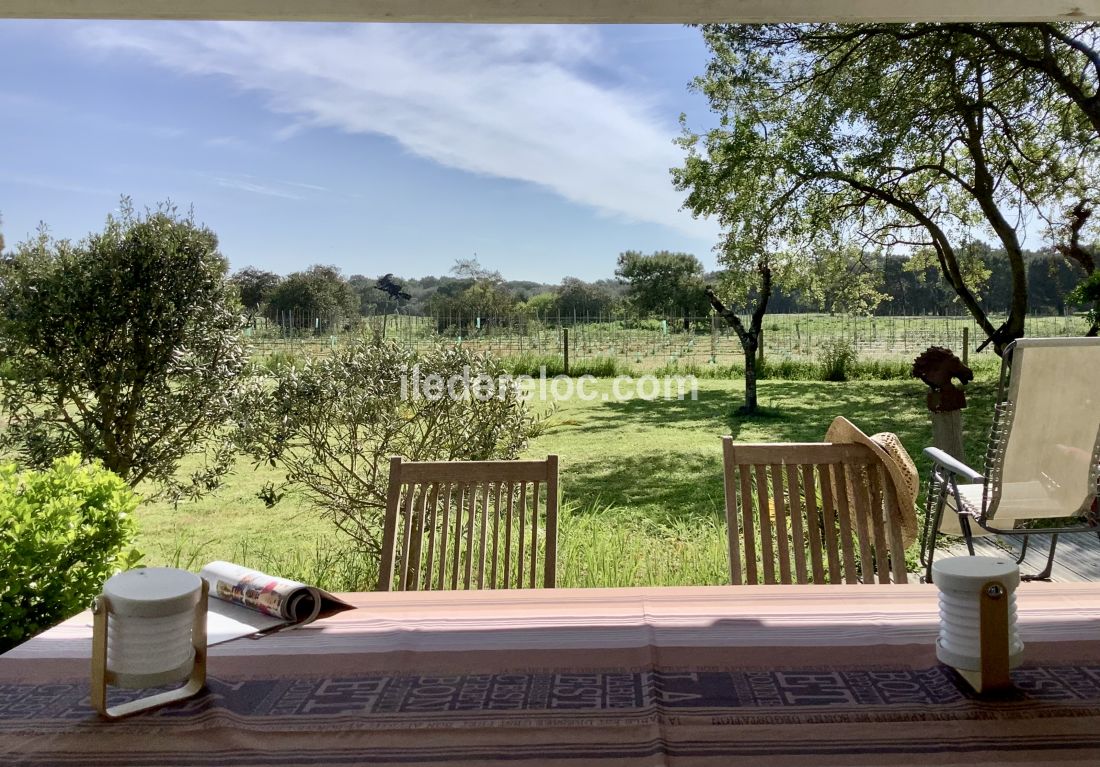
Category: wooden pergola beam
[558,11]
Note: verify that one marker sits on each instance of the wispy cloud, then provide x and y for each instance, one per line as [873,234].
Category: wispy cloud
[510,102]
[47,109]
[246,183]
[55,184]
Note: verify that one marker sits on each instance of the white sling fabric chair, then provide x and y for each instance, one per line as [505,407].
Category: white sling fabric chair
[1043,457]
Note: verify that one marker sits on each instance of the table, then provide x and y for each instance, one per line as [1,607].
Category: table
[760,675]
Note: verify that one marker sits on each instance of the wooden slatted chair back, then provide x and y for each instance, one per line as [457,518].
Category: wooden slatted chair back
[810,513]
[470,524]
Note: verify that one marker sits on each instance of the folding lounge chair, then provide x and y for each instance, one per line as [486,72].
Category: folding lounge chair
[1043,458]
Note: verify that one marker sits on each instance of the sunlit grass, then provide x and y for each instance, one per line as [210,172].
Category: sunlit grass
[641,484]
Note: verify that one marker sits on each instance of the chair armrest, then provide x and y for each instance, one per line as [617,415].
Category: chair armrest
[956,467]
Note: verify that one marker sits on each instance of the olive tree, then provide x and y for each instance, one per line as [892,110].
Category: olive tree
[123,347]
[333,422]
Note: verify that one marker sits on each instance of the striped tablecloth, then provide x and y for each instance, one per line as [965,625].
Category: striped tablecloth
[781,675]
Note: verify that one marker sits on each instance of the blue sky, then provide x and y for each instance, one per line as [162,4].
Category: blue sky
[544,150]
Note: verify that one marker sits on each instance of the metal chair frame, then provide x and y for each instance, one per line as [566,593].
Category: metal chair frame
[946,472]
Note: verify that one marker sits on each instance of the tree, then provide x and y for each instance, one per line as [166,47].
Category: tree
[124,347]
[1087,293]
[758,294]
[897,136]
[1062,60]
[333,423]
[1075,252]
[478,295]
[664,283]
[255,286]
[578,298]
[742,173]
[319,297]
[542,305]
[471,269]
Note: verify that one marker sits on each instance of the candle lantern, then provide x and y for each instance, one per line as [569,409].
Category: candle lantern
[978,633]
[149,631]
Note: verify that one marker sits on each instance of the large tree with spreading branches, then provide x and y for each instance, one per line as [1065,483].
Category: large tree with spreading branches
[899,137]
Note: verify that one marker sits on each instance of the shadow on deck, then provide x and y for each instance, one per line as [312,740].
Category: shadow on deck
[1076,559]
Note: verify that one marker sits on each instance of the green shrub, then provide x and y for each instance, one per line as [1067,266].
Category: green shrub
[333,422]
[63,531]
[838,359]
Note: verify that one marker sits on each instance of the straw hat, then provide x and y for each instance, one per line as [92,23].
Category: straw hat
[899,468]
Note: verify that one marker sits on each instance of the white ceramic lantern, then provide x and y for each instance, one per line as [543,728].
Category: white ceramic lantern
[149,631]
[978,633]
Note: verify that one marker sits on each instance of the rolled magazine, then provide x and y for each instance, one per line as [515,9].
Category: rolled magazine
[248,602]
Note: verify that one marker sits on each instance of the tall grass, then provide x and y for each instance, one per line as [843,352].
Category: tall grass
[601,545]
[333,564]
[551,365]
[787,369]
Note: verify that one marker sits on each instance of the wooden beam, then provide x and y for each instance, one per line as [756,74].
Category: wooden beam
[558,11]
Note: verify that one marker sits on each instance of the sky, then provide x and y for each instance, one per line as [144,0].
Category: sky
[543,151]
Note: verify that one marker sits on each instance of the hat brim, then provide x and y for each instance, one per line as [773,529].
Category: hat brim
[841,430]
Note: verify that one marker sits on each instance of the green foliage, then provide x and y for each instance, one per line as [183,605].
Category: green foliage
[787,369]
[330,563]
[823,139]
[539,305]
[577,298]
[333,422]
[838,357]
[125,348]
[846,281]
[255,286]
[63,532]
[600,545]
[478,292]
[1087,293]
[641,482]
[319,297]
[664,283]
[278,359]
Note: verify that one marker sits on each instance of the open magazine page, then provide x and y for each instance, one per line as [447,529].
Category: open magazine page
[225,621]
[244,602]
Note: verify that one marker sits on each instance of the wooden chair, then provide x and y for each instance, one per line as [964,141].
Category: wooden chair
[470,524]
[810,513]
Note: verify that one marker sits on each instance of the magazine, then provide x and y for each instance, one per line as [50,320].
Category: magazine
[247,602]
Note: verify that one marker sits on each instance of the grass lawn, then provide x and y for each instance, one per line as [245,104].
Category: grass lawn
[641,483]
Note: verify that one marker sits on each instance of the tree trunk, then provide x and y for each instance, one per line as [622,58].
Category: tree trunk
[750,336]
[750,382]
[982,190]
[1077,254]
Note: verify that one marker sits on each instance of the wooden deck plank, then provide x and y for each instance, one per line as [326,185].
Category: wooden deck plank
[1077,558]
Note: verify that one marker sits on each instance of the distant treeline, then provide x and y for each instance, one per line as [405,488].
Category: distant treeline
[659,284]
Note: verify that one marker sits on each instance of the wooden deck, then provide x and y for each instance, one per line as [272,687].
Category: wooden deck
[1077,557]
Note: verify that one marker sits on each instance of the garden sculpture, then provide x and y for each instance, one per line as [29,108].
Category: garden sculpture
[937,366]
